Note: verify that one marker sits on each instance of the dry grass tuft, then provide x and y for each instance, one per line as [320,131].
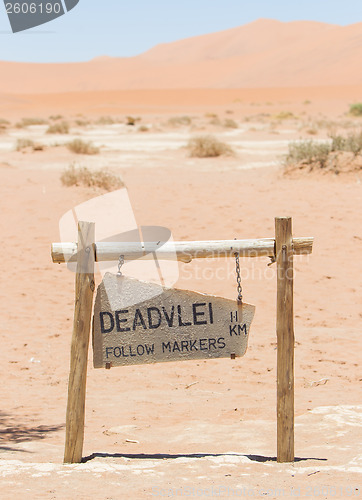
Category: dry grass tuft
[82,122]
[208,146]
[230,123]
[82,148]
[179,121]
[215,121]
[26,122]
[106,120]
[59,128]
[82,176]
[3,125]
[22,144]
[284,115]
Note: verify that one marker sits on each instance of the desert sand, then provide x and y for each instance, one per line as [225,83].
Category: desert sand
[197,428]
[264,53]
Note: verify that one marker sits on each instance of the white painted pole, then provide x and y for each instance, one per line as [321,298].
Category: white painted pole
[184,251]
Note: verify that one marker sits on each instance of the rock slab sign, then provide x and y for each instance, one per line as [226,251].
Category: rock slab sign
[136,322]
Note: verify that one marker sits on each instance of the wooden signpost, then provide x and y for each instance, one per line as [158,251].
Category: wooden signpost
[173,325]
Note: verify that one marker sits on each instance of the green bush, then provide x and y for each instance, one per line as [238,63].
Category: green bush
[352,143]
[356,109]
[308,152]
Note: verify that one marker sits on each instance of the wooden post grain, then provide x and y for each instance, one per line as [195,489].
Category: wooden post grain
[84,288]
[285,340]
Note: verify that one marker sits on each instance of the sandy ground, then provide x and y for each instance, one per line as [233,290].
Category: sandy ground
[197,429]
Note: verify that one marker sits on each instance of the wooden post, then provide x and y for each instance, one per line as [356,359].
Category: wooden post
[84,288]
[285,339]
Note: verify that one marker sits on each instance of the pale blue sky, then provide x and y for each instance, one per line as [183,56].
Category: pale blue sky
[126,28]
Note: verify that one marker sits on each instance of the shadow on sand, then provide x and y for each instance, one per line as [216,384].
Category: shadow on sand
[19,433]
[165,456]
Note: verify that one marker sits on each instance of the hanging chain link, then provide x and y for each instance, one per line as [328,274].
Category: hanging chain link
[120,264]
[238,278]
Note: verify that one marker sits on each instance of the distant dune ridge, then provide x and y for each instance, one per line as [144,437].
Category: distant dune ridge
[264,53]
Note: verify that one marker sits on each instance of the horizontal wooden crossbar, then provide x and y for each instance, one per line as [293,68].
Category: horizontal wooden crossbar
[179,250]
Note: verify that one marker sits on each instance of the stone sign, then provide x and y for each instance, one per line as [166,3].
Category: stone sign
[172,325]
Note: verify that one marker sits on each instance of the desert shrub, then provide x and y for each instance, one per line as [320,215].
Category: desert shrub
[105,120]
[356,109]
[131,120]
[229,112]
[229,123]
[55,117]
[82,123]
[26,122]
[284,115]
[58,128]
[177,121]
[211,115]
[82,176]
[82,148]
[215,121]
[352,143]
[308,152]
[318,154]
[3,125]
[208,146]
[143,128]
[23,143]
[28,143]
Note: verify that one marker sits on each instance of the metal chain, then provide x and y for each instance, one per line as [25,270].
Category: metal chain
[238,279]
[120,264]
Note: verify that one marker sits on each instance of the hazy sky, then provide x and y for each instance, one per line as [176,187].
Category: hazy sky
[129,27]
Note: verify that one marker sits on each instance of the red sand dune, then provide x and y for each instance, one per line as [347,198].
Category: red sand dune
[264,53]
